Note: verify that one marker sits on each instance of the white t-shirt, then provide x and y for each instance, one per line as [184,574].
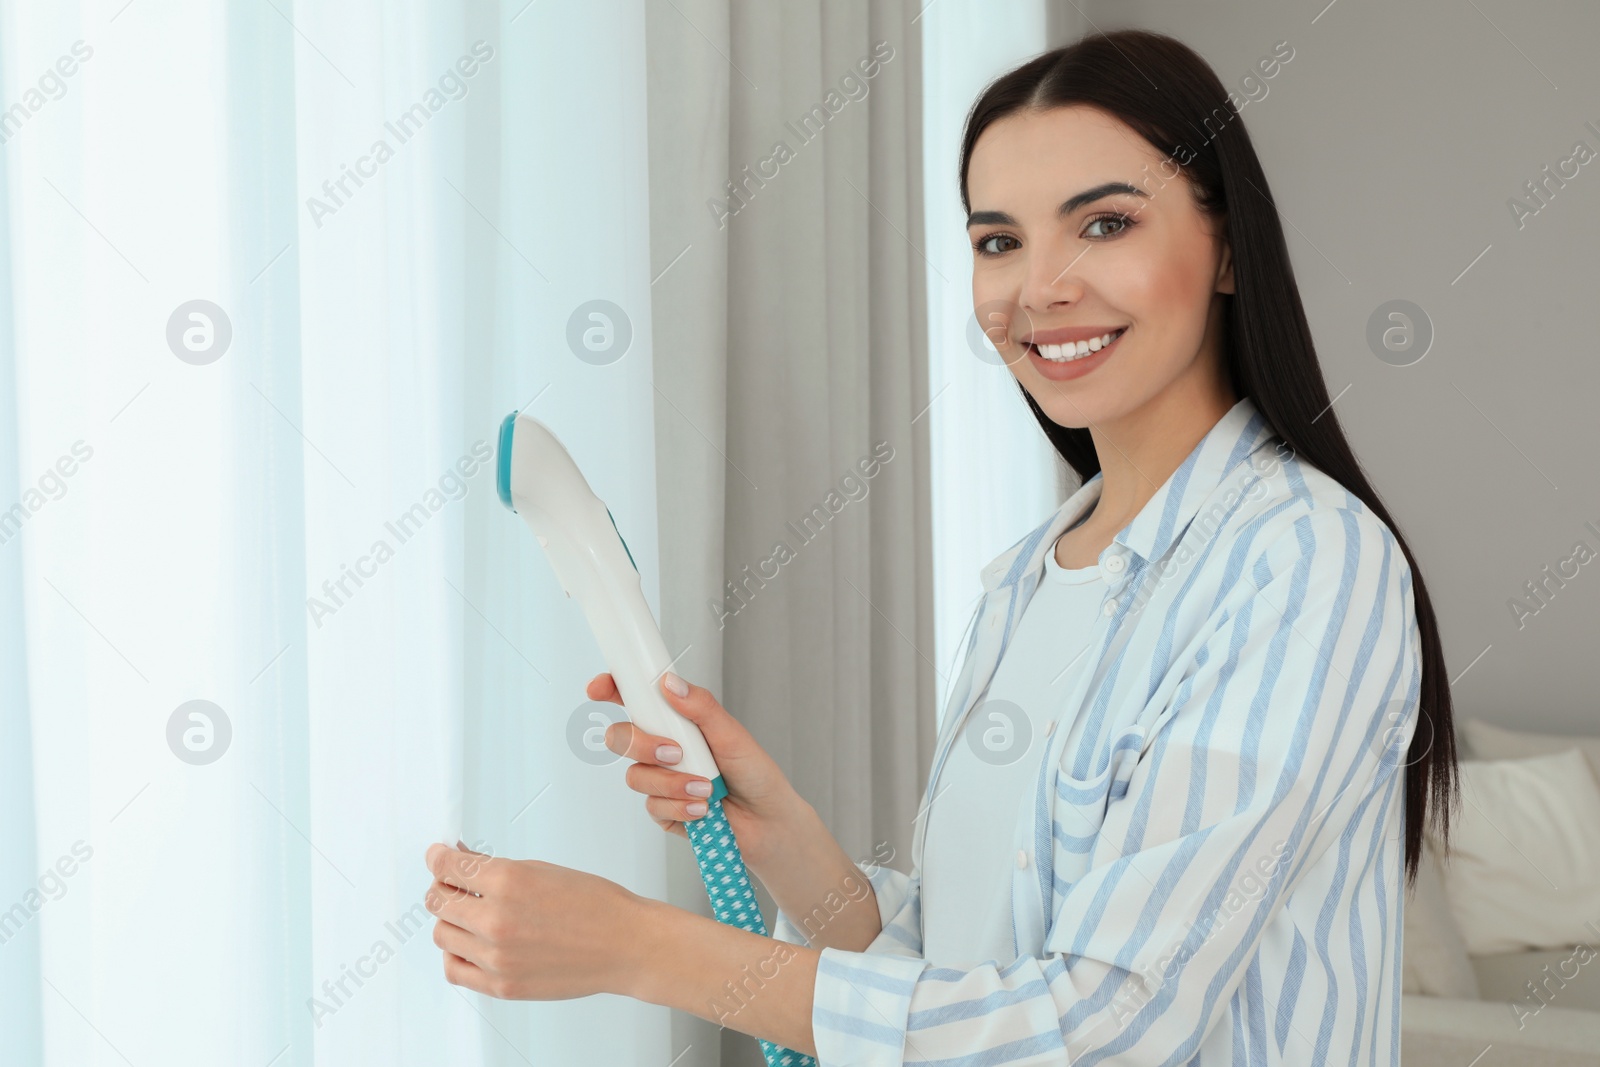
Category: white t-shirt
[967,861]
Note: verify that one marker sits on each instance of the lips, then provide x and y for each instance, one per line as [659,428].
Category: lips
[1065,370]
[1071,351]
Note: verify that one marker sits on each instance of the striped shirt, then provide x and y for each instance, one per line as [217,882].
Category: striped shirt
[1211,870]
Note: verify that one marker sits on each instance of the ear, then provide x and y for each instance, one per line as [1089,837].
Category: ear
[1225,275]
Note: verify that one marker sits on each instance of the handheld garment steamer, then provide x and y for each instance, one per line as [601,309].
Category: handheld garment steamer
[538,480]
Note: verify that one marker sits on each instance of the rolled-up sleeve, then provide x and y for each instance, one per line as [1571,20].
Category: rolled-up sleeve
[1285,732]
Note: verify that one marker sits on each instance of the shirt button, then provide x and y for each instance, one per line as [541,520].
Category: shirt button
[1111,606]
[1115,564]
[1022,859]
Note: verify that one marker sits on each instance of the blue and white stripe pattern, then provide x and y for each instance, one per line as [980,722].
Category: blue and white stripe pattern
[1211,872]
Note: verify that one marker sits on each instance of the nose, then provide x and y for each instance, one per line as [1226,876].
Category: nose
[1053,281]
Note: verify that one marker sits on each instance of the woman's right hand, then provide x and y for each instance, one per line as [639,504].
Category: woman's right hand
[784,842]
[762,807]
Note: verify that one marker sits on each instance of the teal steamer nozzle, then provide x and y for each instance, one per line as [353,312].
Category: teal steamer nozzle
[537,479]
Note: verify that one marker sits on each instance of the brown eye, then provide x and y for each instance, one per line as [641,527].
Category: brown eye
[984,245]
[1123,224]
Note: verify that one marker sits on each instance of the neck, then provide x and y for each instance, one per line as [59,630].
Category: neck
[1139,451]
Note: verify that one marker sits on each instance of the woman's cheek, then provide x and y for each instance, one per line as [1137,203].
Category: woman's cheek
[1166,297]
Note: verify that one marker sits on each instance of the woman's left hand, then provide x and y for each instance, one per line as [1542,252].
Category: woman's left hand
[529,930]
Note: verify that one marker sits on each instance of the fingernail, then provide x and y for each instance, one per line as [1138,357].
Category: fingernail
[669,754]
[696,809]
[677,685]
[698,789]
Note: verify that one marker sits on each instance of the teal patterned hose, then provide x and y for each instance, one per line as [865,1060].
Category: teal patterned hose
[733,900]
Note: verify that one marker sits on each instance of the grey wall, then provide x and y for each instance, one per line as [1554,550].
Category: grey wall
[1394,140]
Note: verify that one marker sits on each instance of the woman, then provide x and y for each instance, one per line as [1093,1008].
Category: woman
[1214,672]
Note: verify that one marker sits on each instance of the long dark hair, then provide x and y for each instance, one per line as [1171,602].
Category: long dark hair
[1169,95]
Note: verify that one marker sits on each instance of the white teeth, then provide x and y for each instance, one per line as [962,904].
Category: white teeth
[1066,353]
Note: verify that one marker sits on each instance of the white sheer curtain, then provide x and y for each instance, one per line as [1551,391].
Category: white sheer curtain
[302,531]
[995,474]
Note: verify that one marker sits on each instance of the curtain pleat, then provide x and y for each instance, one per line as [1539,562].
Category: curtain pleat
[791,360]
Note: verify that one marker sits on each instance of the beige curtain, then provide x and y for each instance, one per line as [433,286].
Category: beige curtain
[789,336]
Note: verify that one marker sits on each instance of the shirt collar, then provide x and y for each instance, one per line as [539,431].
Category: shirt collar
[1165,517]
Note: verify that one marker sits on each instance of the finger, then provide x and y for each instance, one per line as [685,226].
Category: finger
[460,868]
[701,707]
[661,782]
[725,734]
[603,687]
[663,810]
[458,971]
[626,739]
[456,906]
[670,825]
[458,942]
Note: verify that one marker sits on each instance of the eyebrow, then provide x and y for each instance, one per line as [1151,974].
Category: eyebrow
[1068,206]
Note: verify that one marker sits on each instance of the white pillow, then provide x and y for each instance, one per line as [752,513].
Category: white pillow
[1485,740]
[1523,867]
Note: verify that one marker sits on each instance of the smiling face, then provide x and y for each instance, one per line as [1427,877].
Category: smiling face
[1082,229]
